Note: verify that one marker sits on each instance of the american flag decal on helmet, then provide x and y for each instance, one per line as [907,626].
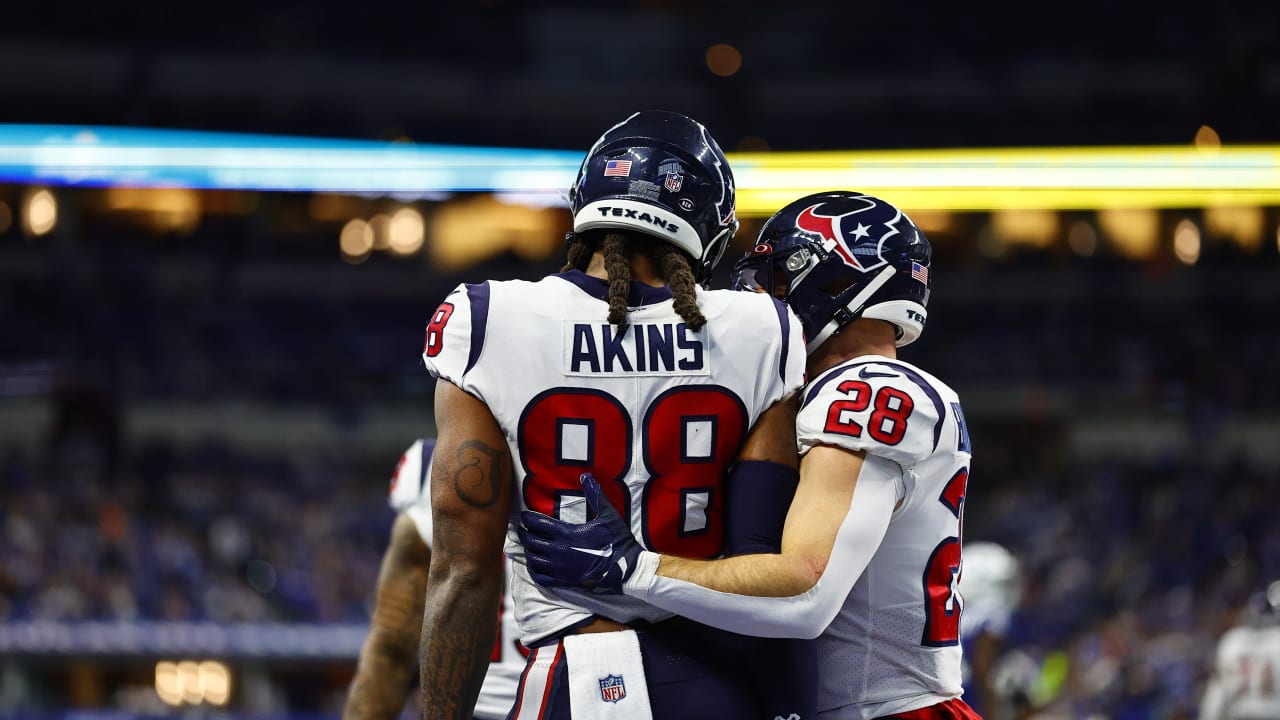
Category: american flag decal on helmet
[617,168]
[920,272]
[612,688]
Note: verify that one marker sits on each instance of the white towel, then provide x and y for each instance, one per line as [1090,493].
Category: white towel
[606,677]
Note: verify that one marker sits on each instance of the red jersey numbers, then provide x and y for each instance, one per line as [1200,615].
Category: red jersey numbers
[565,432]
[942,603]
[888,421]
[435,330]
[689,435]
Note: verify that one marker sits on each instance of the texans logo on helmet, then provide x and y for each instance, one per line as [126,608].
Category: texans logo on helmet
[843,233]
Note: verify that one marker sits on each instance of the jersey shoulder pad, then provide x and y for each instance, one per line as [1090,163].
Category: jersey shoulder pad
[771,326]
[409,484]
[455,334]
[882,407]
[1237,641]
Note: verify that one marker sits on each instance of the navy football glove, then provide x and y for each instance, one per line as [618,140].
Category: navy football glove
[599,554]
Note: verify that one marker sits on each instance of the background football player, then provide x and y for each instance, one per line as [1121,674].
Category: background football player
[384,673]
[991,585]
[1246,676]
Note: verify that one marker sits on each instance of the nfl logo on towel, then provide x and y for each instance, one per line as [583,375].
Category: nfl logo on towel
[612,689]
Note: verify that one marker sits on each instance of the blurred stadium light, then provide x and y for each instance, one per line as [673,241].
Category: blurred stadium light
[983,179]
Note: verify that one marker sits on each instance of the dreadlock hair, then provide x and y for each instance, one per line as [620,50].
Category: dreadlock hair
[672,263]
[579,252]
[675,268]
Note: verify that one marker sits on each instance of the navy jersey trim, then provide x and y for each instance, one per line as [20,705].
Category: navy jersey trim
[479,297]
[910,374]
[784,320]
[641,294]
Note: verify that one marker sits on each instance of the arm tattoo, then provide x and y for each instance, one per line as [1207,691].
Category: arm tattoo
[477,471]
[386,668]
[457,638]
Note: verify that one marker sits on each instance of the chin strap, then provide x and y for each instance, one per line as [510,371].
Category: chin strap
[852,309]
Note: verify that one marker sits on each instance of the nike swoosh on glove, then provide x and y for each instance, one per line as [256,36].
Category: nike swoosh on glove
[598,555]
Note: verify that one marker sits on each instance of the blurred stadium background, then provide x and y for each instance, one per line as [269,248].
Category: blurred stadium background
[204,386]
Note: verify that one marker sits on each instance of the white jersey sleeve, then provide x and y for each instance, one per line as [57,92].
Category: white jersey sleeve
[411,486]
[455,336]
[873,406]
[788,375]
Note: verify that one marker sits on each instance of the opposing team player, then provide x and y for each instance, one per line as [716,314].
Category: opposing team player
[871,549]
[991,585]
[385,669]
[1246,674]
[623,367]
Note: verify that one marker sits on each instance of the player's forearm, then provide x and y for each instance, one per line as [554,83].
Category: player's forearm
[383,675]
[776,575]
[458,632]
[747,594]
[384,672]
[799,615]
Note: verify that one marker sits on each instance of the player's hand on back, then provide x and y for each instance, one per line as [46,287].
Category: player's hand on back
[599,554]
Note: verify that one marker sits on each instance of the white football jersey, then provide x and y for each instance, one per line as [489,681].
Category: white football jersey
[990,583]
[411,495]
[895,644]
[1246,683]
[657,412]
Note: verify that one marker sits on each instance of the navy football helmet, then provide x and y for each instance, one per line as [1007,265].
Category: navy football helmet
[837,256]
[662,174]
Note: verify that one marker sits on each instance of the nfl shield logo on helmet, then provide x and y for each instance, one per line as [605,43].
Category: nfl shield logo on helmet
[674,173]
[612,689]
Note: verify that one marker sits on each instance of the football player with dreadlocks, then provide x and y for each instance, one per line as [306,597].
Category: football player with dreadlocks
[871,547]
[623,367]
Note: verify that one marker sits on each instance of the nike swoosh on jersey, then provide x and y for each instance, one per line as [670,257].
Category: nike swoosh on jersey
[866,374]
[606,552]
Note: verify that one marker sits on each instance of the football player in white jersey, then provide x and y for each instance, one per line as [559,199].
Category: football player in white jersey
[623,367]
[991,585]
[871,549]
[1246,675]
[384,672]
